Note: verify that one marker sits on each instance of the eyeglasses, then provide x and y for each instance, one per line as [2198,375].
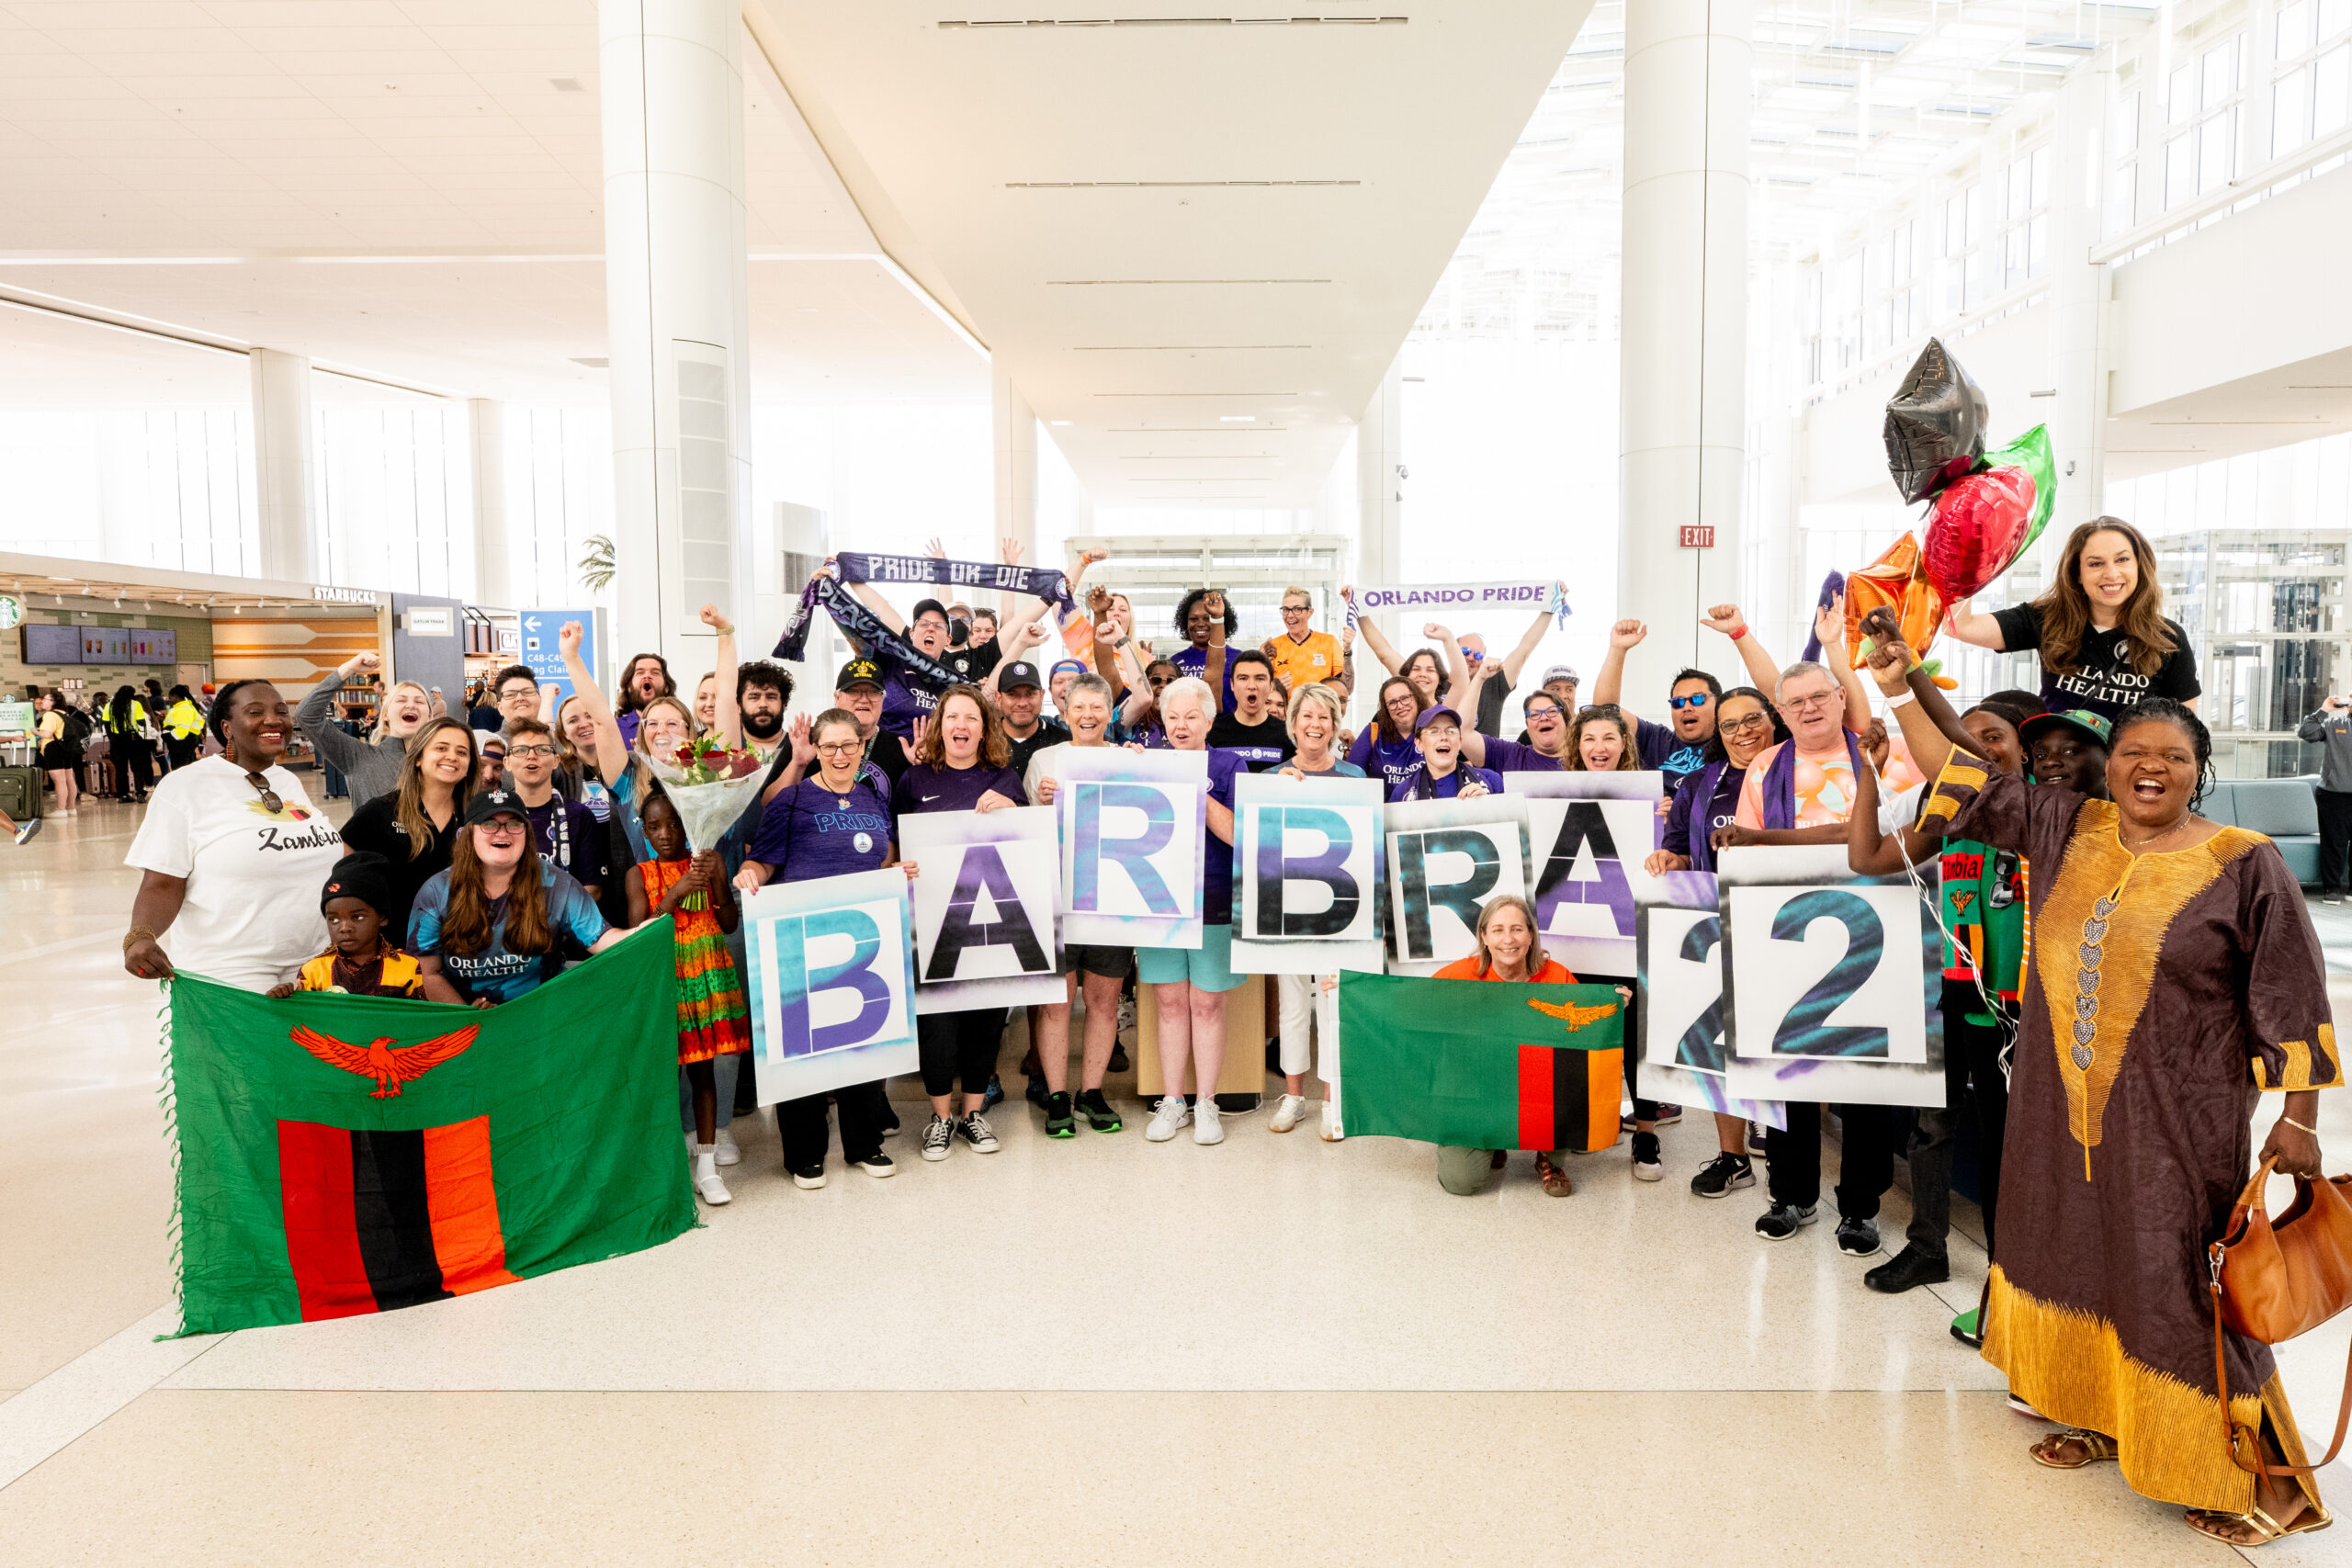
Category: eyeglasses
[1535,713]
[1697,700]
[503,827]
[1298,609]
[532,752]
[508,693]
[839,748]
[268,795]
[1807,704]
[1742,726]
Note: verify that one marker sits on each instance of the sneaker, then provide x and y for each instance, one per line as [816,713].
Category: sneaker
[1208,1127]
[1755,1131]
[890,1128]
[1289,1112]
[27,829]
[1720,1175]
[1099,1114]
[1060,1122]
[1783,1221]
[995,1094]
[729,1154]
[1910,1267]
[937,1134]
[1119,1063]
[1036,1091]
[2324,898]
[1646,1162]
[1167,1117]
[1332,1131]
[809,1180]
[1856,1238]
[975,1129]
[1667,1115]
[1964,1328]
[877,1164]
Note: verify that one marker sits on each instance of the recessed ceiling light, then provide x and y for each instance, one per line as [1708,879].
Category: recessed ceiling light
[566,84]
[1237,418]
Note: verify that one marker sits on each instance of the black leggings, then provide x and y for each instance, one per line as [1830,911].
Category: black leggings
[1643,1110]
[134,766]
[959,1044]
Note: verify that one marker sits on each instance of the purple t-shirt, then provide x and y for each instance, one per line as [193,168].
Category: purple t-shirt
[809,831]
[1195,661]
[925,788]
[1390,761]
[906,696]
[569,834]
[1510,757]
[1216,872]
[1715,813]
[1447,787]
[1663,750]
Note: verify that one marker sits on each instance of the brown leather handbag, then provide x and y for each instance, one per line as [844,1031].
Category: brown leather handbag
[2273,1279]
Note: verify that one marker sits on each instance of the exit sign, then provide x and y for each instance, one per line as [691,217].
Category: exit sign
[1698,537]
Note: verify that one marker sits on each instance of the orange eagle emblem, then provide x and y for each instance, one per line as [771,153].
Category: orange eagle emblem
[390,1065]
[1575,1017]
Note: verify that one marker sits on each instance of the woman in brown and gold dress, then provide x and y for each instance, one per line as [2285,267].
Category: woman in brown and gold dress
[2175,975]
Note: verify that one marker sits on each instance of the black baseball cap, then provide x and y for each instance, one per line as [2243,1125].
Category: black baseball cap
[930,606]
[859,672]
[495,803]
[1018,675]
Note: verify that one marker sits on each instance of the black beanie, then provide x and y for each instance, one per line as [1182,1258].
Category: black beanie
[364,876]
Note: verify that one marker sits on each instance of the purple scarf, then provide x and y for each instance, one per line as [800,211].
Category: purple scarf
[1702,799]
[1781,781]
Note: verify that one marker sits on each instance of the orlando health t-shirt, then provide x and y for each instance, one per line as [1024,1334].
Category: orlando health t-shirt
[494,974]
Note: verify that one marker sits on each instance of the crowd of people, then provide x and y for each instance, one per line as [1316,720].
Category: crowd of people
[2104,1073]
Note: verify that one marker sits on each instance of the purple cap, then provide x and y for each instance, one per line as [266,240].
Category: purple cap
[1430,716]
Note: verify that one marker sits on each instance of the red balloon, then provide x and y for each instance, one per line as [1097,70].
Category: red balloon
[1977,527]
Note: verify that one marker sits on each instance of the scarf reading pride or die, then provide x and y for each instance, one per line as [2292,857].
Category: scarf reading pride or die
[853,618]
[1449,596]
[1044,581]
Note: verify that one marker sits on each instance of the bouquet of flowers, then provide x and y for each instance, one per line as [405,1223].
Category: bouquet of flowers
[711,786]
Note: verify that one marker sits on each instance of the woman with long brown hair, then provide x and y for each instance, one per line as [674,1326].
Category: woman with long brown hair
[1601,741]
[2104,641]
[415,826]
[493,924]
[1383,749]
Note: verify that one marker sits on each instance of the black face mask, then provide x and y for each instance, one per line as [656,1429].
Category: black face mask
[763,725]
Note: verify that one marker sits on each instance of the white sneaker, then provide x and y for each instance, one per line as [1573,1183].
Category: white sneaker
[1332,1131]
[1289,1112]
[727,1153]
[1206,1127]
[706,1182]
[1170,1114]
[938,1135]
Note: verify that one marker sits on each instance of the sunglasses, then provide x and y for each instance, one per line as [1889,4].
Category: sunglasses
[268,795]
[1698,700]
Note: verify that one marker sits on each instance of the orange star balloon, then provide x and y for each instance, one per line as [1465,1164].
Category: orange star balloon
[1897,580]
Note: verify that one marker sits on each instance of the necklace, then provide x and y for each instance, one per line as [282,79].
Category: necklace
[2156,838]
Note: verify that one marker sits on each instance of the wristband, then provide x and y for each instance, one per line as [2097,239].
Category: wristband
[1737,633]
[138,933]
[2298,1126]
[1896,702]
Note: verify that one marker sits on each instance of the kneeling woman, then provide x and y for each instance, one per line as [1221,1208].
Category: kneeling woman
[1508,950]
[493,923]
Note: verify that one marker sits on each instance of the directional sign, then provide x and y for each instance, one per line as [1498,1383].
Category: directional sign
[544,657]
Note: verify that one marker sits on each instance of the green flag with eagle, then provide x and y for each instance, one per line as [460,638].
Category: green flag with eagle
[341,1154]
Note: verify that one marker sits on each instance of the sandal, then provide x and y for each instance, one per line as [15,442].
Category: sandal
[2096,1446]
[2265,1528]
[1555,1180]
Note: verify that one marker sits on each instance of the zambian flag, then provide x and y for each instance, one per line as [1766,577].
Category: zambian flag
[1481,1063]
[342,1155]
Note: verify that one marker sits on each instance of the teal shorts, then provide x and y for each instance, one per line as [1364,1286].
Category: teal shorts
[1208,966]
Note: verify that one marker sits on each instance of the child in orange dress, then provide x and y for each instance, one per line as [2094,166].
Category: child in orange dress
[714,1021]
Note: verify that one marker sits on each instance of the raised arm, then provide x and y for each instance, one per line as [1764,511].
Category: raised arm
[1007,601]
[726,719]
[1457,664]
[1830,627]
[1374,639]
[611,752]
[884,611]
[1473,742]
[1623,636]
[1930,729]
[1529,640]
[1979,631]
[316,716]
[1762,673]
[1213,667]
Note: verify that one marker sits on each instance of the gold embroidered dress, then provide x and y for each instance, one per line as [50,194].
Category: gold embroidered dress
[2163,991]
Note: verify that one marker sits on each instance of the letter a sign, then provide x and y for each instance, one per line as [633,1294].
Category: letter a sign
[983,908]
[1306,875]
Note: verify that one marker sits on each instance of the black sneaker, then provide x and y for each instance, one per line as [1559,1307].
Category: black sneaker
[995,1094]
[889,1124]
[1909,1269]
[1783,1221]
[1119,1063]
[1036,1091]
[1723,1173]
[975,1129]
[877,1164]
[1058,1121]
[1099,1114]
[1856,1238]
[810,1177]
[1645,1161]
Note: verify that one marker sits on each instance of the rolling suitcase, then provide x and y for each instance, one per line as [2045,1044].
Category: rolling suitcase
[20,793]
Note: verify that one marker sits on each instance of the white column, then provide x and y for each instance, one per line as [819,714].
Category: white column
[281,404]
[678,318]
[1380,499]
[2078,303]
[493,547]
[1016,467]
[1684,340]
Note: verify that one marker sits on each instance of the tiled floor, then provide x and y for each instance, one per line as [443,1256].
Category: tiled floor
[1098,1350]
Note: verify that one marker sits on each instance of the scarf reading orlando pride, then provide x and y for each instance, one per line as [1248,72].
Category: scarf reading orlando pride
[344,1155]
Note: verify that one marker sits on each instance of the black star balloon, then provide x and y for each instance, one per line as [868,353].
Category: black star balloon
[1935,424]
